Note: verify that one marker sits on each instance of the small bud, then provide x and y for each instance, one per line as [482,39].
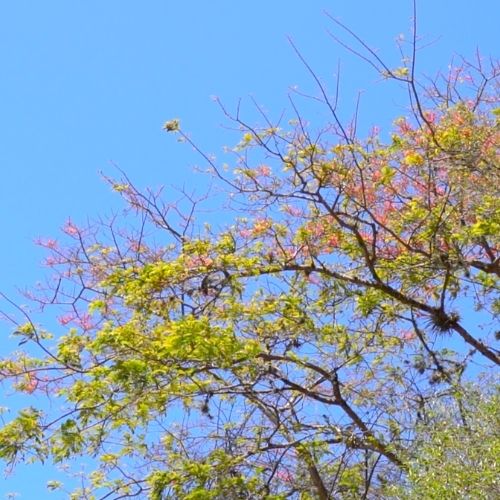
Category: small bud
[171,125]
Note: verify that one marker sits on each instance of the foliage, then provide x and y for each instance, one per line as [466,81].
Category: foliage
[457,458]
[306,349]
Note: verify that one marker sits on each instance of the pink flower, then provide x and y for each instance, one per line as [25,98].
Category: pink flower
[50,261]
[31,385]
[263,170]
[261,226]
[245,233]
[404,126]
[67,318]
[316,229]
[333,241]
[200,260]
[85,321]
[389,252]
[50,243]
[70,229]
[430,116]
[135,246]
[408,335]
[284,475]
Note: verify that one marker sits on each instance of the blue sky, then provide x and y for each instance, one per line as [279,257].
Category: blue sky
[85,84]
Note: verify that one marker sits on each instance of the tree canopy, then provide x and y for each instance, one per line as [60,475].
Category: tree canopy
[335,339]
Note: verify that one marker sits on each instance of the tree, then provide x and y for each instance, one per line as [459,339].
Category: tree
[300,351]
[456,453]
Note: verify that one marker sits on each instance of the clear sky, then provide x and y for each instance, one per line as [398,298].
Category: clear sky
[88,83]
